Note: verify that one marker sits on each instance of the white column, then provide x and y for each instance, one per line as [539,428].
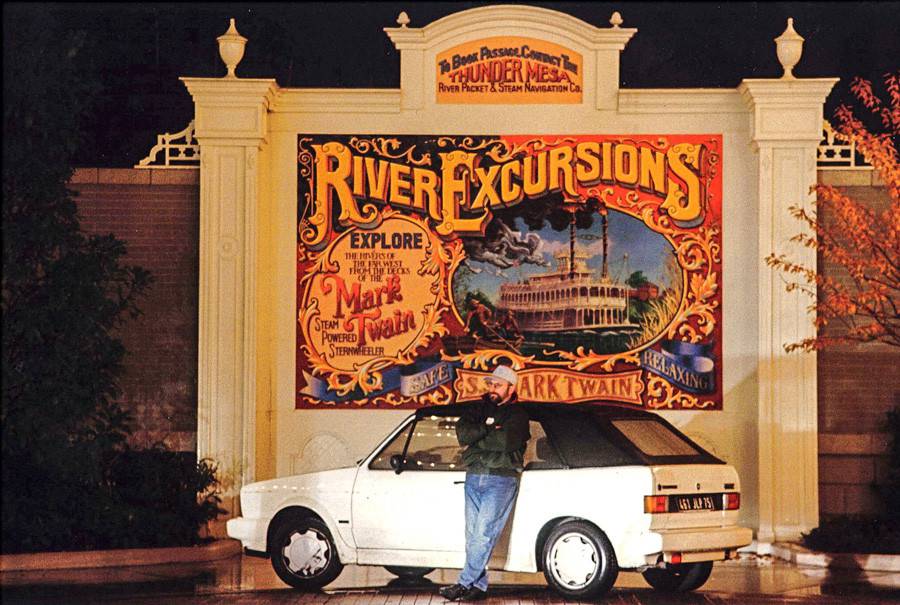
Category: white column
[230,118]
[786,126]
[609,44]
[411,42]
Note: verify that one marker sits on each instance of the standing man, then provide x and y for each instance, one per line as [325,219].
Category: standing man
[495,432]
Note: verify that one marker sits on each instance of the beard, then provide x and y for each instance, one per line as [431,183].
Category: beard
[491,397]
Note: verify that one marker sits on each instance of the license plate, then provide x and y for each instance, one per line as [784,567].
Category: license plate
[696,502]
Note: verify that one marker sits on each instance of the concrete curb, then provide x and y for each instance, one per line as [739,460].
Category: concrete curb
[126,557]
[803,556]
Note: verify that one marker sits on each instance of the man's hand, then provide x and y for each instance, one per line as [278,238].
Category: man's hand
[493,423]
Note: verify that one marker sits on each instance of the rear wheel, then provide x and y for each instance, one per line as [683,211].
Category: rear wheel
[409,573]
[679,578]
[303,553]
[579,561]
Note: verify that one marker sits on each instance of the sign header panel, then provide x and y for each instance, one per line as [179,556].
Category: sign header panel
[509,70]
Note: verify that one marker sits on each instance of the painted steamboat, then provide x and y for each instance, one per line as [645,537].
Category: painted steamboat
[569,299]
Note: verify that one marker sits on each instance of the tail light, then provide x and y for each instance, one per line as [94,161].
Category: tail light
[656,504]
[732,501]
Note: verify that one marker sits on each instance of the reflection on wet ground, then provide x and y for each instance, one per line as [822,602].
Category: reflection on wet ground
[243,579]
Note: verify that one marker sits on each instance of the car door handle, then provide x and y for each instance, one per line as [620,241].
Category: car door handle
[458,482]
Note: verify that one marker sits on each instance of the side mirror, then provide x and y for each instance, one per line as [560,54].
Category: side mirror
[397,463]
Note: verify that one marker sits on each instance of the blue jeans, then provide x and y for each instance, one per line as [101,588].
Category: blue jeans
[489,500]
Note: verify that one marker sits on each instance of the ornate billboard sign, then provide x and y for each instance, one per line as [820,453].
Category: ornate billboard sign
[509,70]
[592,264]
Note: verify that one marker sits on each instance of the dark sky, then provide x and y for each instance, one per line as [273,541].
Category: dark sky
[139,50]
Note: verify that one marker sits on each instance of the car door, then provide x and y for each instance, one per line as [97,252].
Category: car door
[420,508]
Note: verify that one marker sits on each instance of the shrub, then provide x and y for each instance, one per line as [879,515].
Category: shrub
[868,533]
[163,499]
[889,491]
[69,480]
[855,534]
[145,498]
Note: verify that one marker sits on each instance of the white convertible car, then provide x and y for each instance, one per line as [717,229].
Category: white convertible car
[604,488]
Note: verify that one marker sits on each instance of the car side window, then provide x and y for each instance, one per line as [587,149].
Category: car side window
[540,453]
[581,441]
[433,447]
[382,461]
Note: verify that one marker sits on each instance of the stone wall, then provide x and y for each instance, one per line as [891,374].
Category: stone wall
[857,387]
[156,213]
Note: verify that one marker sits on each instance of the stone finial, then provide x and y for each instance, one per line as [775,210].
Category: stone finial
[789,48]
[616,20]
[231,48]
[402,19]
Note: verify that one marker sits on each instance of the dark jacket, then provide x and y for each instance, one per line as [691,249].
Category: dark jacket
[498,448]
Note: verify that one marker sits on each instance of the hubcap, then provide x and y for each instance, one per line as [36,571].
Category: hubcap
[574,560]
[307,553]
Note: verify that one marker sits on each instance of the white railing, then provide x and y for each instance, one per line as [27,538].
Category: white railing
[179,150]
[835,154]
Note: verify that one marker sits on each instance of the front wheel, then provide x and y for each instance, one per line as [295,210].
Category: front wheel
[579,561]
[679,578]
[303,553]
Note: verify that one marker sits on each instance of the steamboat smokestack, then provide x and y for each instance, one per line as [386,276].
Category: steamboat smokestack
[572,247]
[603,222]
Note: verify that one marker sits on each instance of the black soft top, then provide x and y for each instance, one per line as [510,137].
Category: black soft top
[584,435]
[539,411]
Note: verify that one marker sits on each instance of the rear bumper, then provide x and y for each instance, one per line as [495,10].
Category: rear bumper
[251,532]
[707,544]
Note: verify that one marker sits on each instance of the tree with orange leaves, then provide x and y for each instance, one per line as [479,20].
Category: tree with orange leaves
[863,243]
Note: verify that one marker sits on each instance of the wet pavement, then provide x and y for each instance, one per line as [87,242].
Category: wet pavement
[242,579]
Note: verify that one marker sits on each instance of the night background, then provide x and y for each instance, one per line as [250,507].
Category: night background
[99,453]
[131,56]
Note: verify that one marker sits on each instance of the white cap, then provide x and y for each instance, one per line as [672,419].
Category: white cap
[504,373]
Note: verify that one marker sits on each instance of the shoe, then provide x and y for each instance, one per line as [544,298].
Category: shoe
[473,594]
[453,593]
